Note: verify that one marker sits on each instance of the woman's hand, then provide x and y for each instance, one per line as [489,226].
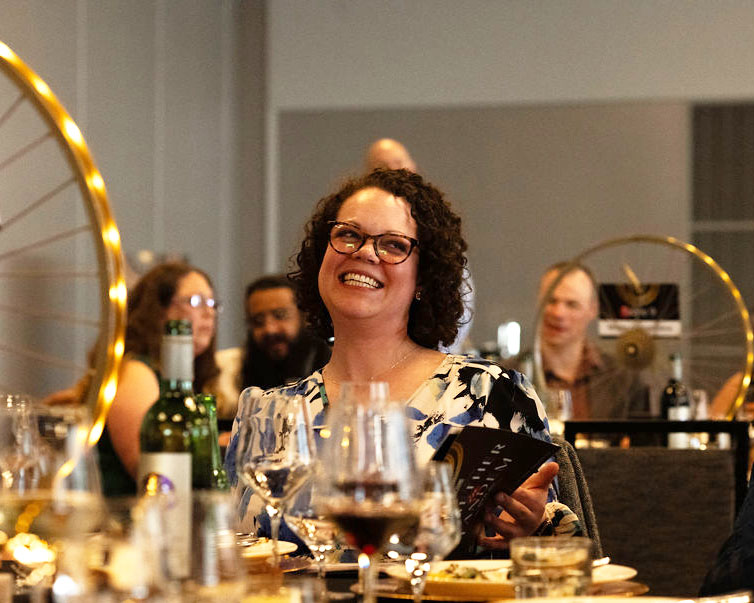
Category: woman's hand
[523,511]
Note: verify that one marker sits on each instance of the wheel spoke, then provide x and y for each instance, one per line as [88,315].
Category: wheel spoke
[17,350]
[35,204]
[23,150]
[14,105]
[56,316]
[43,242]
[42,274]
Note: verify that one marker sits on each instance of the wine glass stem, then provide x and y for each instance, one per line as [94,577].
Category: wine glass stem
[417,585]
[274,514]
[320,558]
[367,572]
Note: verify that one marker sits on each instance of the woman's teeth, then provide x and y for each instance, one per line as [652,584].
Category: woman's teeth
[360,280]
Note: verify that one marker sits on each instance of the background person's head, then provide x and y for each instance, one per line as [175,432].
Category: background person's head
[173,290]
[571,306]
[389,154]
[272,318]
[433,319]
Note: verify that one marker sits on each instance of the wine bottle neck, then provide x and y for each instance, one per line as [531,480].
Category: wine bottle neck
[177,357]
[677,368]
[183,387]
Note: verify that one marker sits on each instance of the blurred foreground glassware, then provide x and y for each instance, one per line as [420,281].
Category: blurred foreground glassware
[216,570]
[306,519]
[438,532]
[130,552]
[551,566]
[559,408]
[50,496]
[370,484]
[276,451]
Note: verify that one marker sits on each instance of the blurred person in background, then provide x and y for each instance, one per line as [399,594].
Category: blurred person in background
[387,153]
[279,348]
[170,291]
[599,386]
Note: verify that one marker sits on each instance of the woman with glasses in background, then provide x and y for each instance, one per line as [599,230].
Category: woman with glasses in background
[169,291]
[380,269]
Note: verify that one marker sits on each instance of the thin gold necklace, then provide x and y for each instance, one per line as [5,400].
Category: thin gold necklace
[373,377]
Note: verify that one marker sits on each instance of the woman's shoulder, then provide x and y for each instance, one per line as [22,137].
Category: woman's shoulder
[471,364]
[309,387]
[139,362]
[229,358]
[484,380]
[138,366]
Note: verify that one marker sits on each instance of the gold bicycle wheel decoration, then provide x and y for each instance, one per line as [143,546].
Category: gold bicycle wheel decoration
[56,253]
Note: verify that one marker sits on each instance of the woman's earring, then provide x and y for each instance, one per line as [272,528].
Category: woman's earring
[418,295]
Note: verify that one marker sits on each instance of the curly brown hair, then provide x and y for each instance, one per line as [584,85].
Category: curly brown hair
[433,320]
[147,303]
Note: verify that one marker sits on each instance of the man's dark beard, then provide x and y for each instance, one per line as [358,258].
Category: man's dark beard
[305,354]
[268,341]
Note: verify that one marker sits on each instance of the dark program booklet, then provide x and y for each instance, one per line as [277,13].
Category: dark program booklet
[486,460]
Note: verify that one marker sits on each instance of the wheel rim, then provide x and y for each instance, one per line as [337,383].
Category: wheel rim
[97,237]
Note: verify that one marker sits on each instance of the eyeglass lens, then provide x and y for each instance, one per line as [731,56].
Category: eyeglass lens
[390,248]
[197,300]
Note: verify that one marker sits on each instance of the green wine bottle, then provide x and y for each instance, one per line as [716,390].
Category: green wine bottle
[176,441]
[219,475]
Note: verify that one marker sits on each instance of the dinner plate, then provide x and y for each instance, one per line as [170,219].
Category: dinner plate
[601,599]
[497,584]
[263,549]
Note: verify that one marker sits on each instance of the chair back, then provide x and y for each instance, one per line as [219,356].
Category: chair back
[664,512]
[573,491]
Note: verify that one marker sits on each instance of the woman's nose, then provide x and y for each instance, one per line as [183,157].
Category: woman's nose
[367,252]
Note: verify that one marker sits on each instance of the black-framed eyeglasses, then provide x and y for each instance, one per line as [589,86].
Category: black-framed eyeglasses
[198,300]
[388,247]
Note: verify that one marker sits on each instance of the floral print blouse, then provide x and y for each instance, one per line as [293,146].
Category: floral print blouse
[462,391]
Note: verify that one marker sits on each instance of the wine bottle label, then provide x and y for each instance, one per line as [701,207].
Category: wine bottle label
[176,468]
[679,413]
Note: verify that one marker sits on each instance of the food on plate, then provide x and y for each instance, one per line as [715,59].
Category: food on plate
[455,571]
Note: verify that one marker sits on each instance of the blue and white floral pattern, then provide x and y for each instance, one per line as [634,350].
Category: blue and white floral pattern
[463,391]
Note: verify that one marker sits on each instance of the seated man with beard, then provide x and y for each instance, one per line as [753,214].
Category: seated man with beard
[279,349]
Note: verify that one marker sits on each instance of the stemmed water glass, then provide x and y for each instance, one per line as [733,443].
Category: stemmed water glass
[370,485]
[438,532]
[276,451]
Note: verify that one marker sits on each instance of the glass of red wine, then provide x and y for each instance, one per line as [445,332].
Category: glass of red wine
[370,485]
[276,451]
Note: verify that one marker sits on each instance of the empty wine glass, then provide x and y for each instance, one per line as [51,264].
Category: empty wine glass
[276,451]
[369,484]
[438,532]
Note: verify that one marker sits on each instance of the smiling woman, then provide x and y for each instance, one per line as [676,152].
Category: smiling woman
[380,269]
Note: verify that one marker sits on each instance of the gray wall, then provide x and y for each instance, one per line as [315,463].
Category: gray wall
[190,110]
[534,185]
[169,98]
[548,178]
